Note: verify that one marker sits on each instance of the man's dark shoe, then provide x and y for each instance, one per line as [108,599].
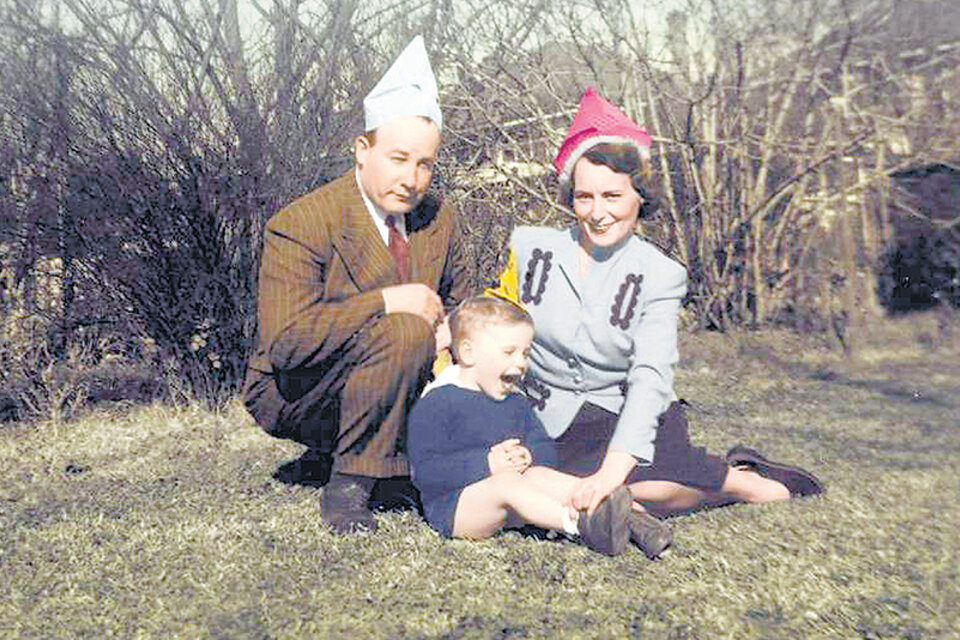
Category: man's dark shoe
[312,469]
[344,503]
[651,535]
[607,530]
[395,494]
[800,482]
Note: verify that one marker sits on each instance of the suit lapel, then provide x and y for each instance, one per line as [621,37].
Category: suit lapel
[360,245]
[422,231]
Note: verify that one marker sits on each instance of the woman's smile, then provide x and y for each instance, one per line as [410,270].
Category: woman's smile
[599,227]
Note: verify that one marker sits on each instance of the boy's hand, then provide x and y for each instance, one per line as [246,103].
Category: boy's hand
[520,457]
[508,455]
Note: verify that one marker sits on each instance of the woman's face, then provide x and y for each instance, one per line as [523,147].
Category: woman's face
[605,203]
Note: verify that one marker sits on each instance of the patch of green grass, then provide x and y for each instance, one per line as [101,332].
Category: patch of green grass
[157,522]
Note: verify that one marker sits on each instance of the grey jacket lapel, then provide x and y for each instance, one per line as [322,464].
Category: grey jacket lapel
[567,258]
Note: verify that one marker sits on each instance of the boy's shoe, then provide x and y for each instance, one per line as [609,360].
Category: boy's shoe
[800,482]
[607,530]
[651,535]
[344,503]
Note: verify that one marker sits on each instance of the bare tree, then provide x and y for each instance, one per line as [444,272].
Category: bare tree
[144,144]
[771,123]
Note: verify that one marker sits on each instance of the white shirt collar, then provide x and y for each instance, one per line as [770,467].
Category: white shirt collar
[379,217]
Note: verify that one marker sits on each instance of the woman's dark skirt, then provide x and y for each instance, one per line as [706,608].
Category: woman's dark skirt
[583,445]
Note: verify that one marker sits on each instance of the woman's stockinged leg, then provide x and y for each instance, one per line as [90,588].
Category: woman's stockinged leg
[741,485]
[748,486]
[665,497]
[485,507]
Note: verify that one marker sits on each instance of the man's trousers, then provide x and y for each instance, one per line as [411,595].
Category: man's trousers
[354,406]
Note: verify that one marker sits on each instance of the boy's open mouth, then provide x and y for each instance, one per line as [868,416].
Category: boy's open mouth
[511,379]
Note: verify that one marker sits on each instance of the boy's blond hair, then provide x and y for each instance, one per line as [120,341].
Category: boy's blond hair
[477,313]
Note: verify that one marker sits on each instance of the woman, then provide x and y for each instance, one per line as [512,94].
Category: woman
[605,305]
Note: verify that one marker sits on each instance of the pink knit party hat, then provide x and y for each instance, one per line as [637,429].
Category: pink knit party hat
[597,121]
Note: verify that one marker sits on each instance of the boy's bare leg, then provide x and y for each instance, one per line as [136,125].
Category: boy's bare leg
[485,506]
[555,484]
[559,485]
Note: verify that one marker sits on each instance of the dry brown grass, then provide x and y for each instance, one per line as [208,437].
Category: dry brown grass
[159,522]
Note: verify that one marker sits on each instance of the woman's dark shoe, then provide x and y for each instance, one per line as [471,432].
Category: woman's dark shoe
[800,482]
[344,503]
[651,535]
[607,530]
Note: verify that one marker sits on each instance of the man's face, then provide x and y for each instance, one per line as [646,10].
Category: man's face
[395,170]
[497,357]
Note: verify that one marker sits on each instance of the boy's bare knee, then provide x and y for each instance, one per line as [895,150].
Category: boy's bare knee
[505,483]
[538,472]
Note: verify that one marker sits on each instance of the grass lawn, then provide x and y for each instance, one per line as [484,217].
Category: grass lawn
[157,522]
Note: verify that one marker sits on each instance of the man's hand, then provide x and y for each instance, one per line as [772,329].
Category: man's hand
[508,455]
[442,335]
[415,298]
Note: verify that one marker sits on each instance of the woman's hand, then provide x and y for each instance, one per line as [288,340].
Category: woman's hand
[588,492]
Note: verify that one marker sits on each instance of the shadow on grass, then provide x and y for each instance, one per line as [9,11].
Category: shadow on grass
[109,500]
[806,371]
[246,623]
[313,470]
[902,454]
[885,388]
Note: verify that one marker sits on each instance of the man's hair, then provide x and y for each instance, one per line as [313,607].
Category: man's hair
[371,135]
[622,158]
[477,313]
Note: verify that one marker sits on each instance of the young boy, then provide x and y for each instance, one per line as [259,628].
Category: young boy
[477,450]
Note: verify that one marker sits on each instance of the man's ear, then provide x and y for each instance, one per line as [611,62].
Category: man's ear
[465,355]
[361,147]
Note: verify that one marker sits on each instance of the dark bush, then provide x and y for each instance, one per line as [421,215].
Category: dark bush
[920,272]
[921,267]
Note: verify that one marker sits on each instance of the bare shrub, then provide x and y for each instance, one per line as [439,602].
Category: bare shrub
[39,386]
[143,145]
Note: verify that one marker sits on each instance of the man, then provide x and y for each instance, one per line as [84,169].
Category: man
[354,278]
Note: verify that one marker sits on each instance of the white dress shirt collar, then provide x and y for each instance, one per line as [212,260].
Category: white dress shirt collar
[379,217]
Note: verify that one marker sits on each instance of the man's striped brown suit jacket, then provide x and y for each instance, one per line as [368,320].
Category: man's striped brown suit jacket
[320,311]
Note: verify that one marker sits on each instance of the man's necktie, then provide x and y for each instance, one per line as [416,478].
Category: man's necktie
[399,249]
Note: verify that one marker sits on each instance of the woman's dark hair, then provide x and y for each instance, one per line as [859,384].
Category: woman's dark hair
[622,158]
